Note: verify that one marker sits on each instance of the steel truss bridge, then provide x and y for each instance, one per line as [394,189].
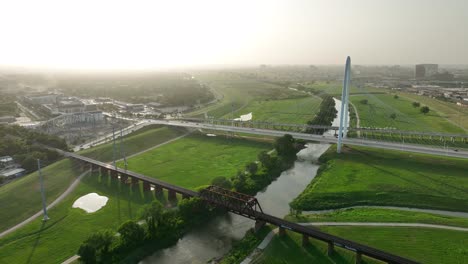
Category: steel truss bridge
[237,203]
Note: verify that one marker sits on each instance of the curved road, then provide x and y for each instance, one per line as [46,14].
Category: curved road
[54,203]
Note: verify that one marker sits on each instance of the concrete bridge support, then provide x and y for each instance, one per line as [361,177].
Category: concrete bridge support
[282,231]
[172,195]
[330,249]
[146,186]
[258,225]
[358,257]
[134,181]
[123,178]
[114,174]
[305,240]
[158,191]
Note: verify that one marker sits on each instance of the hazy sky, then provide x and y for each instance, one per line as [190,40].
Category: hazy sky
[147,34]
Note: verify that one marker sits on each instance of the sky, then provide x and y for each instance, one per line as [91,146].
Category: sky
[136,34]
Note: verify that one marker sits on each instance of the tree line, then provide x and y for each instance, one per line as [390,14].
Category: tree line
[25,146]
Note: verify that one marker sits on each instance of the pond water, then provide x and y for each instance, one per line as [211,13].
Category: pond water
[246,117]
[90,202]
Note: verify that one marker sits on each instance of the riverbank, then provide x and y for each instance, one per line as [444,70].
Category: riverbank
[364,176]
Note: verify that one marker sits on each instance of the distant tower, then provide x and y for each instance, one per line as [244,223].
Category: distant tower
[344,105]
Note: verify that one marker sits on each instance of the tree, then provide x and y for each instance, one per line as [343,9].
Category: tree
[395,96]
[285,146]
[222,182]
[364,101]
[152,214]
[87,253]
[425,109]
[416,104]
[131,233]
[393,116]
[252,168]
[265,159]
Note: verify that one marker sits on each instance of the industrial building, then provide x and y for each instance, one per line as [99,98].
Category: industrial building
[426,70]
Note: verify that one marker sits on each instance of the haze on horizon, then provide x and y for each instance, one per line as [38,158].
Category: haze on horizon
[157,34]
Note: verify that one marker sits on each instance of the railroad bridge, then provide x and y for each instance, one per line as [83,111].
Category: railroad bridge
[240,204]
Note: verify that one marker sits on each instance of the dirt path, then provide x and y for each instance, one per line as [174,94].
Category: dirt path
[50,206]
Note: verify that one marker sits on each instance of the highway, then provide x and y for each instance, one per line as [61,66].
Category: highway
[319,138]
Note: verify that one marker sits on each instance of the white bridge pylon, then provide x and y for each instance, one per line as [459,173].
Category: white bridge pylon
[343,128]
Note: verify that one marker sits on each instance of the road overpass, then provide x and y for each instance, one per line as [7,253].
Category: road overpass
[277,132]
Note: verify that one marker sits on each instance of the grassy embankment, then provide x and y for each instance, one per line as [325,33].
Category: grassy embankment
[21,198]
[59,238]
[239,92]
[425,245]
[135,142]
[376,113]
[455,114]
[366,176]
[289,249]
[36,244]
[195,160]
[381,216]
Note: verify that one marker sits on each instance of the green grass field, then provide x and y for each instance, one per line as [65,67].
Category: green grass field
[376,113]
[59,238]
[421,244]
[295,111]
[196,159]
[455,114]
[380,215]
[366,176]
[21,198]
[237,92]
[289,249]
[133,143]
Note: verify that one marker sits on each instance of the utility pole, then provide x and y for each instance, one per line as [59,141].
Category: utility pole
[44,207]
[122,152]
[113,147]
[344,99]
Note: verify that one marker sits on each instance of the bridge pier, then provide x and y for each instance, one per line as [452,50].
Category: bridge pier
[114,174]
[258,225]
[134,180]
[358,257]
[158,190]
[282,231]
[123,178]
[330,248]
[146,186]
[305,240]
[172,195]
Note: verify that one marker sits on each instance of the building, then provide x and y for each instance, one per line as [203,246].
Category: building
[7,119]
[426,70]
[7,162]
[135,107]
[12,173]
[70,106]
[42,98]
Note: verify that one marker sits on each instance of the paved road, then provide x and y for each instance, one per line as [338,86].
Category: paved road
[319,138]
[456,228]
[54,203]
[430,211]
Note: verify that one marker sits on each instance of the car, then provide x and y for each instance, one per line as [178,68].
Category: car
[456,150]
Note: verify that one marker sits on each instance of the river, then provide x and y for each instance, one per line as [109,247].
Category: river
[215,238]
